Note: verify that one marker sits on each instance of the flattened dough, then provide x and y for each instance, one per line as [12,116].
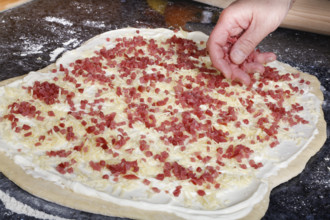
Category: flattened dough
[66,197]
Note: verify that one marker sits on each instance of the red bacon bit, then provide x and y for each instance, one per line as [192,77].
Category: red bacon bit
[182,173]
[274,143]
[78,147]
[56,128]
[141,88]
[51,113]
[208,112]
[62,167]
[28,134]
[11,118]
[146,182]
[148,154]
[101,142]
[155,189]
[61,68]
[131,177]
[120,141]
[178,138]
[227,116]
[242,136]
[238,152]
[13,125]
[95,166]
[177,191]
[162,102]
[105,176]
[193,98]
[26,127]
[69,134]
[142,114]
[83,104]
[118,91]
[201,192]
[102,163]
[42,138]
[162,156]
[295,75]
[123,167]
[217,135]
[84,123]
[254,165]
[243,166]
[297,107]
[45,91]
[143,145]
[90,129]
[160,176]
[109,120]
[40,118]
[22,108]
[59,153]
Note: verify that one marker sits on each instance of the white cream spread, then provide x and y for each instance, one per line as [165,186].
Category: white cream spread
[240,189]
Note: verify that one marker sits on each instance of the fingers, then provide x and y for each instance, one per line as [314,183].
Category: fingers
[254,67]
[240,75]
[217,57]
[265,57]
[215,46]
[232,22]
[246,44]
[224,67]
[258,59]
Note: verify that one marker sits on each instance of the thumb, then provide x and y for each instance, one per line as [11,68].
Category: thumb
[245,45]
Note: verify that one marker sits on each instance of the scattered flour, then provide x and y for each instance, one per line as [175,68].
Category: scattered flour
[97,24]
[206,17]
[17,207]
[74,42]
[59,21]
[55,53]
[29,47]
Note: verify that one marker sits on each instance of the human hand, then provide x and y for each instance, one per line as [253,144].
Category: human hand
[247,22]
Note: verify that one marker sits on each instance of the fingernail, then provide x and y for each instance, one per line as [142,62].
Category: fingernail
[270,59]
[238,56]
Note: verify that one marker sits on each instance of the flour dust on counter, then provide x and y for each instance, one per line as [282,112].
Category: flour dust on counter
[59,21]
[18,207]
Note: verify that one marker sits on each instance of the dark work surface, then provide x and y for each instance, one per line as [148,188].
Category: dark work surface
[29,35]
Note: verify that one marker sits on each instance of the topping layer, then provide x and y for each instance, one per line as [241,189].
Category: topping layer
[144,116]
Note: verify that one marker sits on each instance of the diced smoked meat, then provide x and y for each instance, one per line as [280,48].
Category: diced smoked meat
[45,91]
[22,108]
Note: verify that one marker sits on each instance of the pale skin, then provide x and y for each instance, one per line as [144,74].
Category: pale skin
[253,20]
